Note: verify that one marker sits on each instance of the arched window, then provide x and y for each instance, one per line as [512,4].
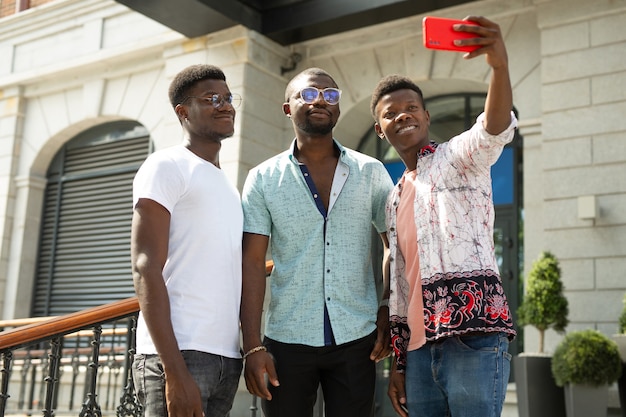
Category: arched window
[84,243]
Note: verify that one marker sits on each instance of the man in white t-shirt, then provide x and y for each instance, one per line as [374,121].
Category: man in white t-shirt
[186,259]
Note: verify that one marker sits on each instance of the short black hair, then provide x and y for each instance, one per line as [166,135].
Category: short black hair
[306,73]
[188,77]
[389,84]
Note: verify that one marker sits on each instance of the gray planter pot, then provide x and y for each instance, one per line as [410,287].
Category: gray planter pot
[537,393]
[586,401]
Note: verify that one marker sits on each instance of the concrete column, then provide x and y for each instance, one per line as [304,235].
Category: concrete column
[29,193]
[11,125]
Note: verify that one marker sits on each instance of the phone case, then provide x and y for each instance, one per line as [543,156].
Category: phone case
[438,34]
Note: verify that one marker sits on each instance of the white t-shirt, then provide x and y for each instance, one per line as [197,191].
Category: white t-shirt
[203,268]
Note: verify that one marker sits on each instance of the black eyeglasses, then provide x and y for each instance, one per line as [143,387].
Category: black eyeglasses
[218,101]
[330,95]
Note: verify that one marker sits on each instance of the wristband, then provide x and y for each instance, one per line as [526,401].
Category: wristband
[254,350]
[384,303]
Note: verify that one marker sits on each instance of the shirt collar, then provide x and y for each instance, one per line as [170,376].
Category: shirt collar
[292,148]
[428,149]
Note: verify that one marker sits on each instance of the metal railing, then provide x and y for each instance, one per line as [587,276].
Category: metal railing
[44,363]
[44,359]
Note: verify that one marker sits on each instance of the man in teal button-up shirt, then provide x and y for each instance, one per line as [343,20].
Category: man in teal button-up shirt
[317,201]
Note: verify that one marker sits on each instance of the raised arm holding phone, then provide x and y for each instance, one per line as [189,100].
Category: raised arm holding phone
[450,320]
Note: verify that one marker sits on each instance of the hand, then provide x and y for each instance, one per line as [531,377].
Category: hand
[499,100]
[397,392]
[490,39]
[382,347]
[182,395]
[257,366]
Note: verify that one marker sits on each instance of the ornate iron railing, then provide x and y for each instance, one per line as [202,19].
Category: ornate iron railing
[45,359]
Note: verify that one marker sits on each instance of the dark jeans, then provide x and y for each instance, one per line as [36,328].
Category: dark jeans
[216,376]
[345,372]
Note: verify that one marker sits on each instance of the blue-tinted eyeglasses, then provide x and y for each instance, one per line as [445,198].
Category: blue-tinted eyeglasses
[218,101]
[310,94]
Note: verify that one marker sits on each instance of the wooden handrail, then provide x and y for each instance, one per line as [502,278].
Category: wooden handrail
[25,335]
[23,322]
[34,332]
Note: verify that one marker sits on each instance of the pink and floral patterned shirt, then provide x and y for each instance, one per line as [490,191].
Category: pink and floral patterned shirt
[454,215]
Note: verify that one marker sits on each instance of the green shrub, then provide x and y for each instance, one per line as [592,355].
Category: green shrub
[586,357]
[622,318]
[544,304]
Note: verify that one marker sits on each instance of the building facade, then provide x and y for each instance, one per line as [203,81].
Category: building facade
[78,72]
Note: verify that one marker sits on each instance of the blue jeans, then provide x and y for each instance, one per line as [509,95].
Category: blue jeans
[217,378]
[462,376]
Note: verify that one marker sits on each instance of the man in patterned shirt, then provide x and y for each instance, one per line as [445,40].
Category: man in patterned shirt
[317,202]
[450,320]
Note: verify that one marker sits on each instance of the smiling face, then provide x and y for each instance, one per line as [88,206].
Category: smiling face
[402,119]
[315,119]
[200,118]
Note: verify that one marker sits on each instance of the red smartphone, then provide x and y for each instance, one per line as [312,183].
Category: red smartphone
[438,34]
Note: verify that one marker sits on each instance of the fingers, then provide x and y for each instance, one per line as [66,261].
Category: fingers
[396,393]
[381,350]
[272,376]
[182,395]
[489,40]
[486,35]
[382,347]
[481,20]
[259,367]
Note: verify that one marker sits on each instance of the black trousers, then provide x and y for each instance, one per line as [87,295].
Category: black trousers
[345,372]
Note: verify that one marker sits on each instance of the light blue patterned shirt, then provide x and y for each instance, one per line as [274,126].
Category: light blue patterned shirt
[308,269]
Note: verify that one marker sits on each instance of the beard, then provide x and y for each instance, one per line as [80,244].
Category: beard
[217,135]
[316,128]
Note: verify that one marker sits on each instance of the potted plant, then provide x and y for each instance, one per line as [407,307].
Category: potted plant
[586,362]
[544,306]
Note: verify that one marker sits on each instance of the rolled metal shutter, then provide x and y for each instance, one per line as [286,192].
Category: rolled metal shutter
[84,245]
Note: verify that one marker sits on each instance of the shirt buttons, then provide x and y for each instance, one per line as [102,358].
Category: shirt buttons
[314,195]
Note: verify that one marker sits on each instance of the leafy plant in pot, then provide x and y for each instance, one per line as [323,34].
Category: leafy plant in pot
[544,306]
[586,362]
